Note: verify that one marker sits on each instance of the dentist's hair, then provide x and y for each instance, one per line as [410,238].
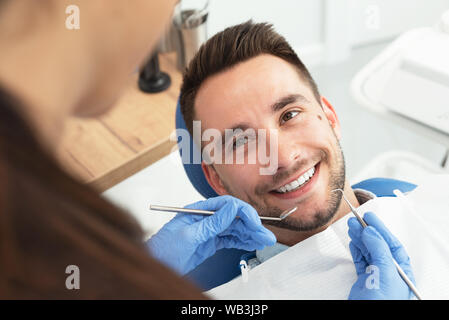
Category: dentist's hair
[49,221]
[226,49]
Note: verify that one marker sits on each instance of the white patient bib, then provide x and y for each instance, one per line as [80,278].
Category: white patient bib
[321,266]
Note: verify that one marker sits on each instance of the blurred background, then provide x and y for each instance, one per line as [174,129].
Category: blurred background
[335,39]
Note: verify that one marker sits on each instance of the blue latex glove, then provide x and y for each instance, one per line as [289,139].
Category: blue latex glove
[376,246]
[187,240]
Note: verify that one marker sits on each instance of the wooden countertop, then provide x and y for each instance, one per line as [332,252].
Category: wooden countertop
[135,133]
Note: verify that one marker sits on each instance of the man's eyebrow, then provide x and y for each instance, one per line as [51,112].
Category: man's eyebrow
[286,100]
[278,105]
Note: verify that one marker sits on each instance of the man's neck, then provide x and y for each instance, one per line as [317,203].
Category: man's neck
[290,237]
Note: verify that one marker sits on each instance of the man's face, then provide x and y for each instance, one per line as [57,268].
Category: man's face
[267,93]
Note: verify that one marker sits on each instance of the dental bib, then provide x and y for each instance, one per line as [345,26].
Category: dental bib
[321,266]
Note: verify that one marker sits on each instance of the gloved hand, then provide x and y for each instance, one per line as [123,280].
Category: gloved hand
[187,240]
[376,246]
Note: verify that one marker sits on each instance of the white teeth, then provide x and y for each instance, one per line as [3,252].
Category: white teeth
[294,184]
[298,182]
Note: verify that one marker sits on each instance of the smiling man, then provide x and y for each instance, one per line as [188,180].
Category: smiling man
[248,77]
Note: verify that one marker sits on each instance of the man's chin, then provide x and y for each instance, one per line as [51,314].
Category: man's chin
[316,221]
[314,213]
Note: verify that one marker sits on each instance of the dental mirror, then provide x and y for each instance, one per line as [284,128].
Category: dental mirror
[282,216]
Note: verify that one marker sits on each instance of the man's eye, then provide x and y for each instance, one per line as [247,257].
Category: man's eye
[239,142]
[288,115]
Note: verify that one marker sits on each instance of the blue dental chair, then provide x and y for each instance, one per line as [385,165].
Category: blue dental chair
[224,265]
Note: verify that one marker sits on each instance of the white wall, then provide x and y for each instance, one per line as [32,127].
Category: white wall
[299,21]
[326,30]
[375,20]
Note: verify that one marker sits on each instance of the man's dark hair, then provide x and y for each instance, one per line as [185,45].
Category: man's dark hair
[226,49]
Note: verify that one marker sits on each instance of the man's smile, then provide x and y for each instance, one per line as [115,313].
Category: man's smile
[297,182]
[299,185]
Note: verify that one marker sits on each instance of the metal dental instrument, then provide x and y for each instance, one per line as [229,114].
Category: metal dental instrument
[364,225]
[283,215]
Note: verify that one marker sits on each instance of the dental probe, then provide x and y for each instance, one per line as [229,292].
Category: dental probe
[398,267]
[283,215]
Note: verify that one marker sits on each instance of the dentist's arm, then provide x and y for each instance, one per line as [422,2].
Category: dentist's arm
[187,240]
[374,247]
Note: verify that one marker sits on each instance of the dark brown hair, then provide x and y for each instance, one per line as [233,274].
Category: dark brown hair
[226,49]
[49,221]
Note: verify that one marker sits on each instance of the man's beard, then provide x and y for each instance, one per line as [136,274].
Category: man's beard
[321,217]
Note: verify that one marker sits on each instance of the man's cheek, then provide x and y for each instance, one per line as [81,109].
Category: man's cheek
[246,178]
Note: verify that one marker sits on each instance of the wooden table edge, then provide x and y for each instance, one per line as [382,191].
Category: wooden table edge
[140,161]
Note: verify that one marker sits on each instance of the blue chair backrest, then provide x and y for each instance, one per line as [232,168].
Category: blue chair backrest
[224,265]
[193,170]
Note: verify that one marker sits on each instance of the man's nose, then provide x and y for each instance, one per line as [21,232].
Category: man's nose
[289,152]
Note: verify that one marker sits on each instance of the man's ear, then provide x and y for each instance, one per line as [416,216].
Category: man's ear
[331,116]
[213,179]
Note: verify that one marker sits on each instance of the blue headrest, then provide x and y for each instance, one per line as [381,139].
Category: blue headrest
[193,170]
